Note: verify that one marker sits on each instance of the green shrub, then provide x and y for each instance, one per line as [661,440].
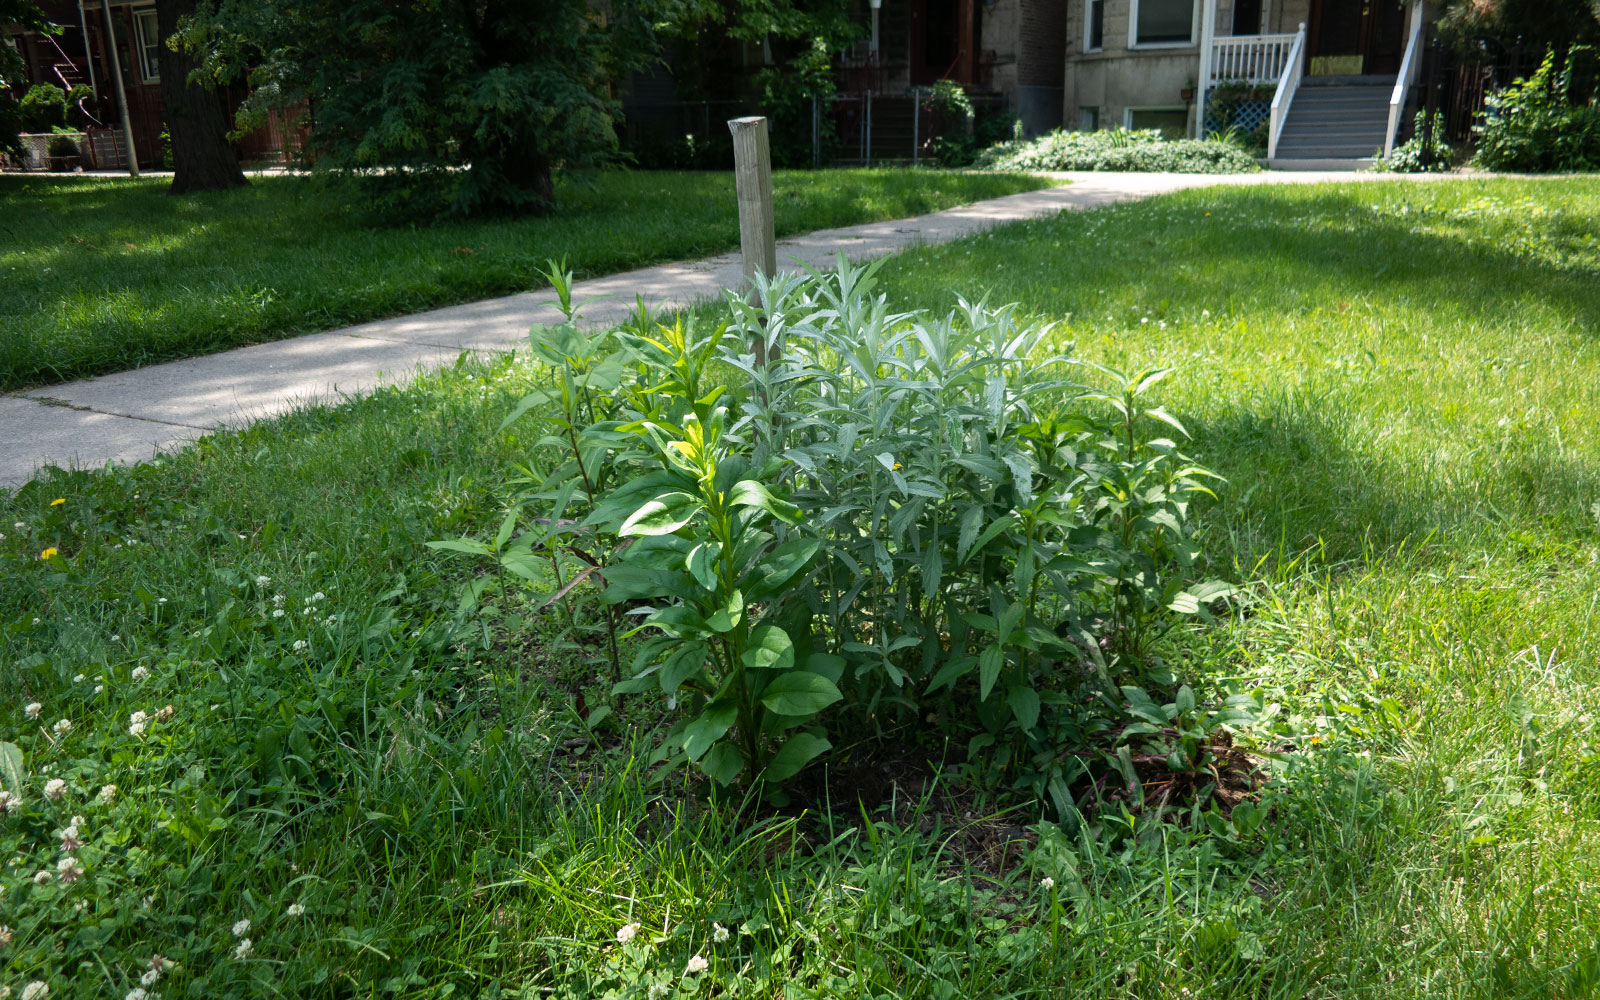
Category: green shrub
[903,513]
[950,138]
[1408,158]
[44,106]
[1535,126]
[1119,150]
[62,146]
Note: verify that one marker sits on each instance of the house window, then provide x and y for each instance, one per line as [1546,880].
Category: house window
[1163,22]
[148,37]
[1094,25]
[1088,119]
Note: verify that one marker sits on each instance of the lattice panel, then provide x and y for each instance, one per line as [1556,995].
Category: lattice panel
[1248,115]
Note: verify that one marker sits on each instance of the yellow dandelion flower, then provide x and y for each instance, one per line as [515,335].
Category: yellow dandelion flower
[47,553]
[58,501]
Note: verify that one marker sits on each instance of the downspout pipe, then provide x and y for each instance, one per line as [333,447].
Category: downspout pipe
[122,95]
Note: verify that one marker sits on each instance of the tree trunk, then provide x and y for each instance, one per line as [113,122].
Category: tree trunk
[197,117]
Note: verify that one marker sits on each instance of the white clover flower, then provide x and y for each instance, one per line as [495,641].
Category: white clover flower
[137,993]
[54,789]
[697,964]
[33,708]
[140,673]
[108,794]
[164,713]
[295,909]
[5,935]
[79,679]
[36,990]
[42,876]
[150,978]
[658,990]
[69,869]
[277,612]
[719,933]
[161,600]
[243,949]
[9,801]
[278,599]
[116,638]
[98,688]
[69,839]
[20,525]
[261,581]
[62,727]
[241,928]
[626,933]
[318,597]
[138,722]
[299,645]
[1047,883]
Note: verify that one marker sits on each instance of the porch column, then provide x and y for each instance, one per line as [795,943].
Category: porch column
[1208,35]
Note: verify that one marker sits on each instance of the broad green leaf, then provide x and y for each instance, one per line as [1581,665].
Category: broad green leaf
[799,693]
[799,751]
[995,527]
[953,669]
[989,663]
[726,618]
[1024,702]
[470,546]
[663,515]
[11,774]
[702,563]
[750,493]
[825,664]
[723,763]
[1185,700]
[682,664]
[769,648]
[710,727]
[780,567]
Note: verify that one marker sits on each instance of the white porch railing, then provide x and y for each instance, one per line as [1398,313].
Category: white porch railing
[1250,58]
[1294,68]
[1409,67]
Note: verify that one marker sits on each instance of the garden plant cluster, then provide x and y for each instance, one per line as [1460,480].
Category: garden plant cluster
[824,517]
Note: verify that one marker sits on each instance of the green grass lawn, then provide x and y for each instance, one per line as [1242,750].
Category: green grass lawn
[103,275]
[1400,383]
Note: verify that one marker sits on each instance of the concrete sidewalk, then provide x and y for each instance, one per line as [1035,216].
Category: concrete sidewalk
[130,416]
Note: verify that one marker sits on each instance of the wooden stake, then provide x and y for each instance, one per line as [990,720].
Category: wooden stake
[752,174]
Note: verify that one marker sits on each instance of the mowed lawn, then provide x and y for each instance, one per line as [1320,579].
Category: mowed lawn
[1401,383]
[101,274]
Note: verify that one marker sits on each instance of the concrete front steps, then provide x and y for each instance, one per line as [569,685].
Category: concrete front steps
[1335,122]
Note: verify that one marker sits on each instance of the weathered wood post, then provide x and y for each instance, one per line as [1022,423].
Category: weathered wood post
[752,174]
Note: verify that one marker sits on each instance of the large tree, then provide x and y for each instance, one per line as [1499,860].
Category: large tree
[197,115]
[471,103]
[24,14]
[1497,25]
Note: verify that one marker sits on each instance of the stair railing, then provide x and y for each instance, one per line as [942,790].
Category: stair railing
[1402,84]
[1294,70]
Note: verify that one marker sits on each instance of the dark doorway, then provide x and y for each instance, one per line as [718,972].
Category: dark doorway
[944,35]
[1247,17]
[1356,37]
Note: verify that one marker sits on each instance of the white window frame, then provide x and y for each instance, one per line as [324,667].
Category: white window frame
[1133,30]
[1088,26]
[141,17]
[1127,113]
